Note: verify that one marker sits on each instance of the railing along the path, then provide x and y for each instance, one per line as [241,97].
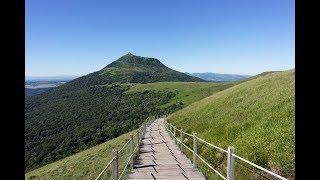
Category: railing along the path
[114,162]
[231,156]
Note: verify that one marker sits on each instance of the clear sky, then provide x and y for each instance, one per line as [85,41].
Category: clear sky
[76,37]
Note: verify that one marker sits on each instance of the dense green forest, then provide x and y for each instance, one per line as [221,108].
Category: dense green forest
[32,92]
[61,122]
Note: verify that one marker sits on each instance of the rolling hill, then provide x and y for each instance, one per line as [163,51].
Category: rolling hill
[95,108]
[256,117]
[217,77]
[185,92]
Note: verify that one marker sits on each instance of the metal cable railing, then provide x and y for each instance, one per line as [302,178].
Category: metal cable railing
[231,156]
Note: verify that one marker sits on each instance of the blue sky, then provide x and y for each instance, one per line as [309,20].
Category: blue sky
[76,37]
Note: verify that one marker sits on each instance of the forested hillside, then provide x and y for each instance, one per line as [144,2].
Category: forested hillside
[33,92]
[60,123]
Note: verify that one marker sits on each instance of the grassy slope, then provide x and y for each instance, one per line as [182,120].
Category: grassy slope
[186,92]
[83,165]
[256,117]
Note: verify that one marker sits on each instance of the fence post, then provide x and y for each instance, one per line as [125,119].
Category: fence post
[138,140]
[230,163]
[181,139]
[194,150]
[132,149]
[141,134]
[115,164]
[175,134]
[144,130]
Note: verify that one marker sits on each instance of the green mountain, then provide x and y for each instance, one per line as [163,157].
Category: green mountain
[134,69]
[95,108]
[256,117]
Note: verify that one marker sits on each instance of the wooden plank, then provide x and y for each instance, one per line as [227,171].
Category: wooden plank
[161,158]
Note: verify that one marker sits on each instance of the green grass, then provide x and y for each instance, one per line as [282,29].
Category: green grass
[86,164]
[256,117]
[186,92]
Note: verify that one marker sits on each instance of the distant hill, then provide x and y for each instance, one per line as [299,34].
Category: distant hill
[38,85]
[208,76]
[262,74]
[134,69]
[50,78]
[43,84]
[97,107]
[256,116]
[36,91]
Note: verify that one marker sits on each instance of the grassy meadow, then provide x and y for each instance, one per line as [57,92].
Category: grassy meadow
[256,117]
[186,92]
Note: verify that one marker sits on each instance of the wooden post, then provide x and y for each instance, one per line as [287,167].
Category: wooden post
[132,151]
[172,130]
[230,163]
[141,135]
[115,166]
[181,139]
[174,134]
[194,150]
[144,129]
[138,141]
